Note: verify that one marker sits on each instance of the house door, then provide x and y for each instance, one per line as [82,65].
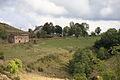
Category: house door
[19,41]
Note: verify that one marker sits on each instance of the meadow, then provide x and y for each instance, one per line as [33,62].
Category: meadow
[47,56]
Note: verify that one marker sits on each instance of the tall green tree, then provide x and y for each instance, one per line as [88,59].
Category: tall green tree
[78,32]
[48,27]
[58,29]
[42,34]
[109,39]
[72,28]
[31,33]
[66,31]
[86,26]
[97,30]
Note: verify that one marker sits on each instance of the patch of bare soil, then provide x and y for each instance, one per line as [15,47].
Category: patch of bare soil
[32,76]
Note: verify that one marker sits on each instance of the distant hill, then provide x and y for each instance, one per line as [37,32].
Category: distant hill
[10,29]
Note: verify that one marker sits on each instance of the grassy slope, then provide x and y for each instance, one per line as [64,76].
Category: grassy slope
[10,29]
[68,42]
[51,55]
[44,46]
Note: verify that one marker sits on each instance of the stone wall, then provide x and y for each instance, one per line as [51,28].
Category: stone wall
[21,39]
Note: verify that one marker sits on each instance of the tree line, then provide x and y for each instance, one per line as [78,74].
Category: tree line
[74,29]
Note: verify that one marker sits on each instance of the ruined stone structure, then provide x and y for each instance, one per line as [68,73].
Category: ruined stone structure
[18,38]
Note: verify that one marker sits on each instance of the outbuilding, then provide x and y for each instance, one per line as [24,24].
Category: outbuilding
[18,38]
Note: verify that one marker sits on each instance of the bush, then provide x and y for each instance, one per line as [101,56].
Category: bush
[102,53]
[14,66]
[108,75]
[116,51]
[108,39]
[42,34]
[80,77]
[3,34]
[2,55]
[82,62]
[40,69]
[99,78]
[93,34]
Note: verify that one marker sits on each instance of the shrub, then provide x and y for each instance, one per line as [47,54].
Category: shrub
[108,75]
[14,66]
[82,62]
[42,34]
[2,55]
[18,62]
[116,51]
[3,34]
[102,53]
[93,34]
[108,39]
[80,77]
[40,69]
[99,78]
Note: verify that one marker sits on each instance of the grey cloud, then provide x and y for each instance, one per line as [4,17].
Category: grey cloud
[2,2]
[75,8]
[85,9]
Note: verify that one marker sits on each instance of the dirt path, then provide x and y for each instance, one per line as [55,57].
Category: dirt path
[31,76]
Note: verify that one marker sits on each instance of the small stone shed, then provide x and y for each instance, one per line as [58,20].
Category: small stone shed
[18,38]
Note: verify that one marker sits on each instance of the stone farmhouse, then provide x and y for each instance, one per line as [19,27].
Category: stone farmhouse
[18,38]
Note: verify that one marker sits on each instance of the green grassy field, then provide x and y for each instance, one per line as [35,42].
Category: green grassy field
[68,42]
[46,45]
[50,55]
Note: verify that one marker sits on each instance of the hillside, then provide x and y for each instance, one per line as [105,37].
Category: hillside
[10,29]
[48,57]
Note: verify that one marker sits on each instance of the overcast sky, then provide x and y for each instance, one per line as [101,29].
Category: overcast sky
[24,14]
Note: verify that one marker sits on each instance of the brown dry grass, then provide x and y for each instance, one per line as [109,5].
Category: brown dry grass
[32,76]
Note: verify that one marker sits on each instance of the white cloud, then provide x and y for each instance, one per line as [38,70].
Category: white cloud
[62,21]
[85,9]
[79,8]
[47,7]
[106,11]
[26,14]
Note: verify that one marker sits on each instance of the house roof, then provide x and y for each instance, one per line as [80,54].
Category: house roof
[19,34]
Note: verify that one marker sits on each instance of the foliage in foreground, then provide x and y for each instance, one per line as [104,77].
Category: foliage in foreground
[82,63]
[116,51]
[86,66]
[14,66]
[109,39]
